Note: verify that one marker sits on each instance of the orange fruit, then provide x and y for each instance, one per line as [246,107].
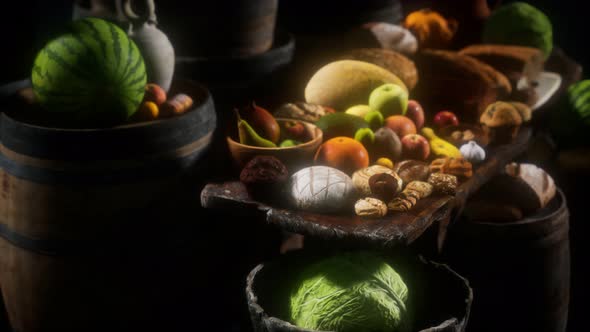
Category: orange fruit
[343,153]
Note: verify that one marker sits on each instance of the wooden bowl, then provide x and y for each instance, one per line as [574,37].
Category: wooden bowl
[294,157]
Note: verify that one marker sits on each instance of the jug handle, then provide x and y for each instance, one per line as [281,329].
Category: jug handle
[150,16]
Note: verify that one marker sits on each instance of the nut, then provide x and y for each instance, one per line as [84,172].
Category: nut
[370,207]
[383,186]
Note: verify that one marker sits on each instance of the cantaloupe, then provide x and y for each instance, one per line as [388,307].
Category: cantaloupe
[345,83]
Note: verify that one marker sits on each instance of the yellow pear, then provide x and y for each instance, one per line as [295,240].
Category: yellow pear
[359,110]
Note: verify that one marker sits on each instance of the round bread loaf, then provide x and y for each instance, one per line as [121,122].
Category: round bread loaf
[322,189]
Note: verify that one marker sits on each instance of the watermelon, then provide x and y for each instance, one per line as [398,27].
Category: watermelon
[92,74]
[579,99]
[570,124]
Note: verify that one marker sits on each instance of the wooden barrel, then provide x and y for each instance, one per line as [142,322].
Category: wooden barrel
[309,16]
[219,28]
[520,271]
[440,299]
[237,79]
[86,218]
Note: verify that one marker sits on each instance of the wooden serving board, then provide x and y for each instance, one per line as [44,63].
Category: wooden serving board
[395,229]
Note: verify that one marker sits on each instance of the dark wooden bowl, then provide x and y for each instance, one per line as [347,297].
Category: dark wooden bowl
[440,299]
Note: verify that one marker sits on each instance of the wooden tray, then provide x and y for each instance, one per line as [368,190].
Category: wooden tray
[390,231]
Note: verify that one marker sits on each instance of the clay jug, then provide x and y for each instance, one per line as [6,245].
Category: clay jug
[154,45]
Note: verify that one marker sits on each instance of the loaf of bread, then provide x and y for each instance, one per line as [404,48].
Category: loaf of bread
[513,61]
[522,65]
[458,82]
[535,181]
[393,61]
[525,186]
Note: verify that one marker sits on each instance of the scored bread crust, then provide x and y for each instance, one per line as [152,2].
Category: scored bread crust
[471,67]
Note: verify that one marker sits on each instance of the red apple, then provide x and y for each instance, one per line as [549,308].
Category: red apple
[416,113]
[415,147]
[445,118]
[401,125]
[296,130]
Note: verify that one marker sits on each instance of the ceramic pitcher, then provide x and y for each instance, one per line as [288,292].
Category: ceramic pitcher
[154,45]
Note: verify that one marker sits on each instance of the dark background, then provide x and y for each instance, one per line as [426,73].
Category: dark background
[26,25]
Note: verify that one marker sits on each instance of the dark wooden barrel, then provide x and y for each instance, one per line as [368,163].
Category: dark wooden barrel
[237,79]
[309,16]
[520,272]
[440,299]
[219,28]
[90,219]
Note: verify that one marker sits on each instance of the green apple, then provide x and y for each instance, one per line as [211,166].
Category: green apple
[374,119]
[365,136]
[289,143]
[389,99]
[359,110]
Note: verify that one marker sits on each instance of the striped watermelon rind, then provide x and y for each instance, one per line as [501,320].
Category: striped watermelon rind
[93,73]
[579,99]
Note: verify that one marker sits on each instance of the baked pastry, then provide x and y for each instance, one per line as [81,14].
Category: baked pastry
[445,184]
[501,121]
[408,198]
[459,167]
[370,207]
[360,179]
[412,170]
[264,177]
[458,82]
[391,60]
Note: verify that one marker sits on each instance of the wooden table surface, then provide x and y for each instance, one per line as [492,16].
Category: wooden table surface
[395,229]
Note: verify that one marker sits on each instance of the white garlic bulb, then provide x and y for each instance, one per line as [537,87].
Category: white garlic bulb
[473,152]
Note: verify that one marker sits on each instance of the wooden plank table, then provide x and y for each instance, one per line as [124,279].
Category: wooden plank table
[397,229]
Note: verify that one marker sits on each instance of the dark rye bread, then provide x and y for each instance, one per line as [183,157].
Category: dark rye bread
[465,85]
[515,62]
[393,61]
[512,61]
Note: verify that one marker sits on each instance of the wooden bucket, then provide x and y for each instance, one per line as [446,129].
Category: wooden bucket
[520,271]
[440,298]
[87,218]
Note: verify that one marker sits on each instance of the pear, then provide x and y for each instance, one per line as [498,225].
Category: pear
[248,136]
[262,122]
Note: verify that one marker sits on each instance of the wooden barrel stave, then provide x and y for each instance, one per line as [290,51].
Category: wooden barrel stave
[519,271]
[85,243]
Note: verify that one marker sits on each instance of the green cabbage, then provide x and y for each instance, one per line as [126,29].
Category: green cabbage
[519,24]
[350,292]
